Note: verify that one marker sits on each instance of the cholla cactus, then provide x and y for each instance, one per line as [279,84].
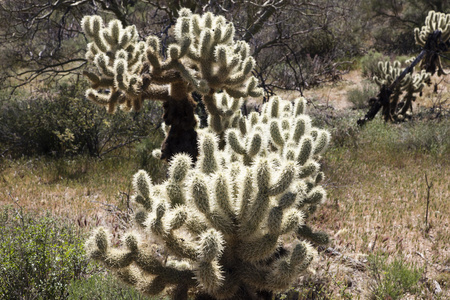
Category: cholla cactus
[434,38]
[414,84]
[410,84]
[387,74]
[204,59]
[435,23]
[234,224]
[232,215]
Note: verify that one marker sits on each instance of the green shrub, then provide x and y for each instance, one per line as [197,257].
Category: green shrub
[39,257]
[103,287]
[369,63]
[393,279]
[154,166]
[318,42]
[359,97]
[403,58]
[423,136]
[63,121]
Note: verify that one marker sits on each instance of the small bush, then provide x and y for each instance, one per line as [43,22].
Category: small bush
[39,257]
[154,167]
[393,279]
[422,136]
[63,122]
[359,97]
[103,287]
[369,63]
[318,42]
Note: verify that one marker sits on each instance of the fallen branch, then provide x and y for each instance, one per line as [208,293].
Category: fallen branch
[351,262]
[429,186]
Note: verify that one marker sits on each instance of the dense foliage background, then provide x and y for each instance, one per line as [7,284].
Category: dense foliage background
[297,45]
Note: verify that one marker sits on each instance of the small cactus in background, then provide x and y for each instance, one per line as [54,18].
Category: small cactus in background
[434,38]
[413,85]
[204,58]
[235,223]
[435,23]
[398,110]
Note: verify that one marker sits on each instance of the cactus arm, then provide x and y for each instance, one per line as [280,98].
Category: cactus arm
[207,270]
[258,249]
[285,269]
[285,178]
[208,160]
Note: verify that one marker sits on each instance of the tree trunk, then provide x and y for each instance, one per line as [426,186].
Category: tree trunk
[182,137]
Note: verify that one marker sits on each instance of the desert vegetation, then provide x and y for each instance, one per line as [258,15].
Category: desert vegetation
[267,187]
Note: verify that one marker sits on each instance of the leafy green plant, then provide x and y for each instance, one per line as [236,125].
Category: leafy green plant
[38,256]
[359,97]
[393,279]
[60,121]
[103,287]
[369,63]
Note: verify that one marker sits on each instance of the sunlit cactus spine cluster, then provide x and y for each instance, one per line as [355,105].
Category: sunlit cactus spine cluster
[234,224]
[204,58]
[435,23]
[119,57]
[411,84]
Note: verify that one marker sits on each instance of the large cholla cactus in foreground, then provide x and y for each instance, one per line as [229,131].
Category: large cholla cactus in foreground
[204,58]
[399,109]
[234,224]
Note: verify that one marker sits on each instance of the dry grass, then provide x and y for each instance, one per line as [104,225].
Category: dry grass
[334,94]
[86,191]
[378,194]
[377,203]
